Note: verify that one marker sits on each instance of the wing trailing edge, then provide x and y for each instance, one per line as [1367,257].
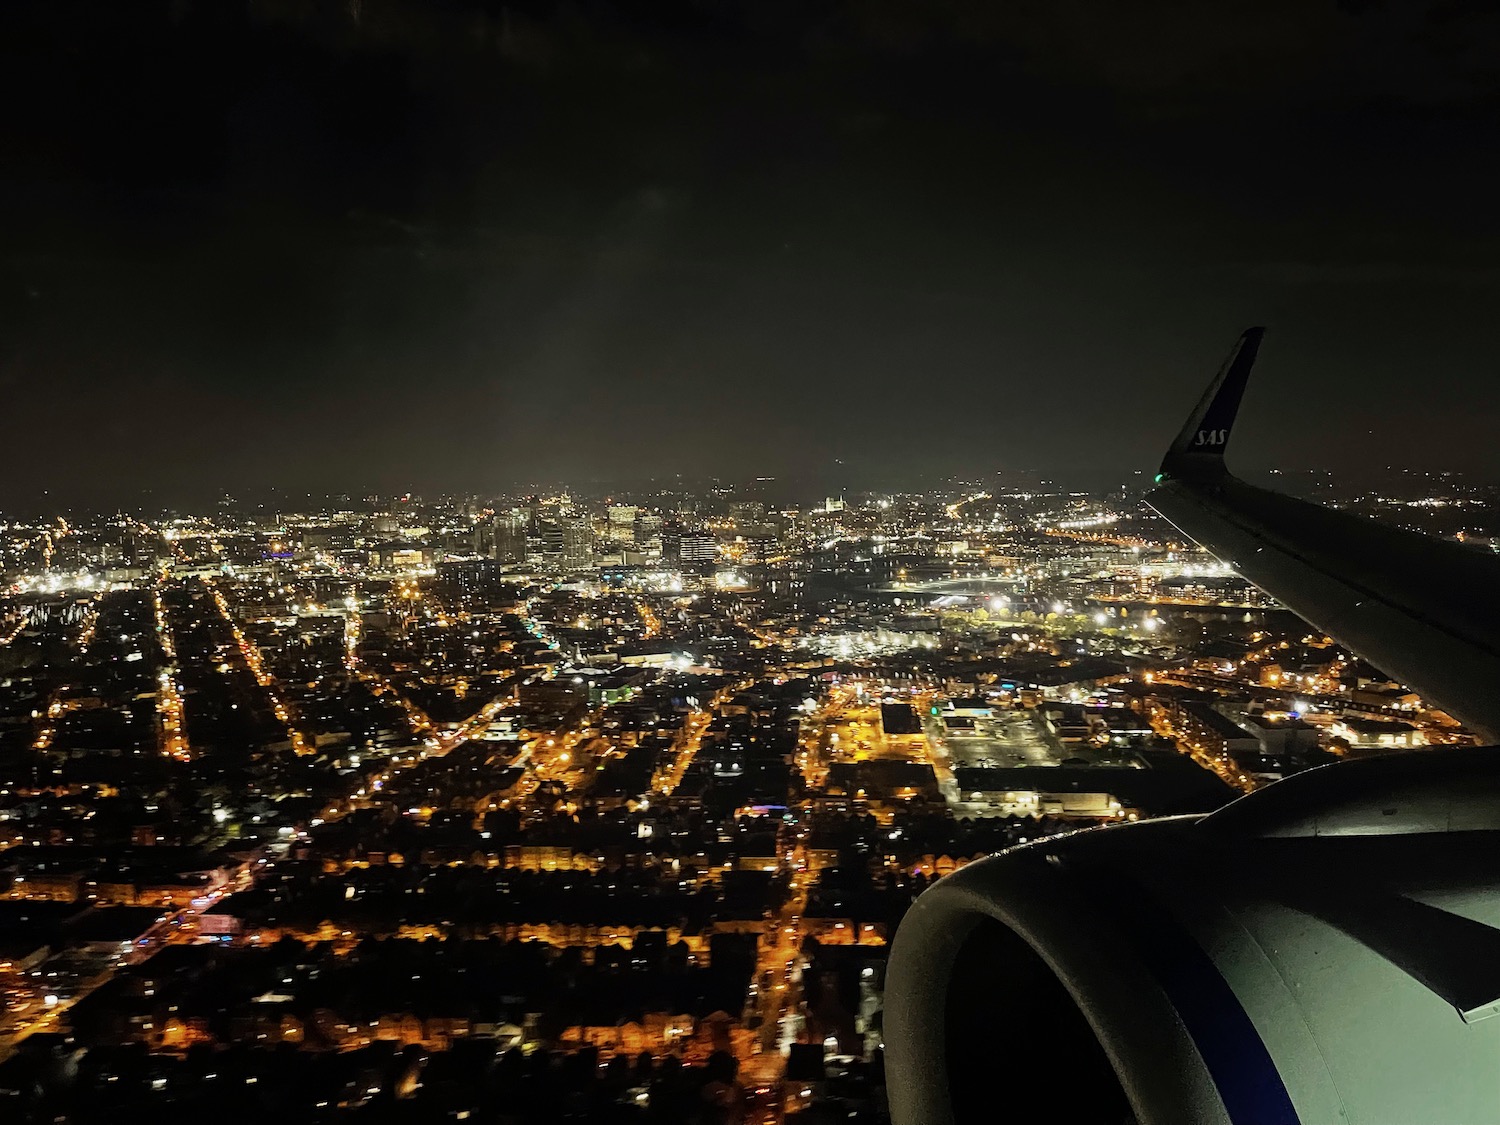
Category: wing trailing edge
[1424,610]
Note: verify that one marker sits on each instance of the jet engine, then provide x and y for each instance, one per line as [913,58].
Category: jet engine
[1323,950]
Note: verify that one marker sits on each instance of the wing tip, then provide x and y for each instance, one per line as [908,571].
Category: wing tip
[1198,450]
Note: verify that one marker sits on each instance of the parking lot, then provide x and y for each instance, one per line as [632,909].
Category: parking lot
[1010,738]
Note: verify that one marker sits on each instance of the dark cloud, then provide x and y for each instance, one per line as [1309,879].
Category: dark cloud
[396,243]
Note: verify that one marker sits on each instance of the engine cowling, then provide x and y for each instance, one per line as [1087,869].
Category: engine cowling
[1324,950]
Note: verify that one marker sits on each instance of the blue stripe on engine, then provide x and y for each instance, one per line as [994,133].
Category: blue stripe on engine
[1232,1050]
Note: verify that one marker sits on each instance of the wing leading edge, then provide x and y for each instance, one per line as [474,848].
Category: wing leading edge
[1424,610]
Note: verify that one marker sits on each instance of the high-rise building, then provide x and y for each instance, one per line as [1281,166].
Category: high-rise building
[760,547]
[576,539]
[671,542]
[546,540]
[482,540]
[648,532]
[747,511]
[472,577]
[697,552]
[622,522]
[509,536]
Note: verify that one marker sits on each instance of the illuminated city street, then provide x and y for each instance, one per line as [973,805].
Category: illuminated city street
[537,720]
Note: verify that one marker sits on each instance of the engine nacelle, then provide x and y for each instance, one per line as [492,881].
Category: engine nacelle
[1323,950]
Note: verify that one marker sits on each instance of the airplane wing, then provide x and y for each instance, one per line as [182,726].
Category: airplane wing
[1426,611]
[1323,949]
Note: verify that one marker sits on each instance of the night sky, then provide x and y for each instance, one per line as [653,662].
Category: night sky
[434,244]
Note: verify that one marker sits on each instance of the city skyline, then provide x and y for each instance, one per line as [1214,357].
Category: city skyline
[793,491]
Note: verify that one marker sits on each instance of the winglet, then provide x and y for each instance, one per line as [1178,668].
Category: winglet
[1198,452]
